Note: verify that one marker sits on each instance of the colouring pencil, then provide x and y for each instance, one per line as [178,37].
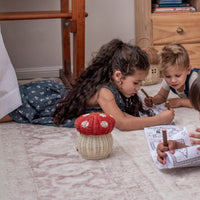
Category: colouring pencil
[145,93]
[164,134]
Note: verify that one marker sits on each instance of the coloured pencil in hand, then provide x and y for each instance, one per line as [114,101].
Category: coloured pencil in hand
[164,134]
[145,93]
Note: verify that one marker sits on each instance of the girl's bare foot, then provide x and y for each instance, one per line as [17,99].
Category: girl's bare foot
[6,118]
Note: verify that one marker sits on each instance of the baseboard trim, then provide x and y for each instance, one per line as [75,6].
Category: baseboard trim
[38,72]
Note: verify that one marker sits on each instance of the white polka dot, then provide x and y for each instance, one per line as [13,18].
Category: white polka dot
[104,124]
[85,115]
[84,124]
[103,115]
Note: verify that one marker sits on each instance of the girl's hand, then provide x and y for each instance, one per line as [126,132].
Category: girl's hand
[148,101]
[172,145]
[166,116]
[196,136]
[161,154]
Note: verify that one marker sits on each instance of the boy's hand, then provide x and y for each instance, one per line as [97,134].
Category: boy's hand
[175,102]
[148,101]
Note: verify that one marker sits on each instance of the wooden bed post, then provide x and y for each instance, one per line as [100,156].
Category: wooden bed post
[72,21]
[65,73]
[65,42]
[78,15]
[75,25]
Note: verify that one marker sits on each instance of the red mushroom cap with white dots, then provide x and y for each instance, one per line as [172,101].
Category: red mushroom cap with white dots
[95,124]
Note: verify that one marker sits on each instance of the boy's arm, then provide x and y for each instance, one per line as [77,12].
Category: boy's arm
[161,96]
[180,102]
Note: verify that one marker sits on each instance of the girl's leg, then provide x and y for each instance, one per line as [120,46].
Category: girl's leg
[6,118]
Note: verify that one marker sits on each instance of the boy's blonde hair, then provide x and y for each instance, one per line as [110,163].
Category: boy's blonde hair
[174,54]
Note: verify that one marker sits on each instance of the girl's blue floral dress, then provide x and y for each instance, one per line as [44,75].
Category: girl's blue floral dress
[39,101]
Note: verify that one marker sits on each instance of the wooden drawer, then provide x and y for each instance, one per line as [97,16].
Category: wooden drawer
[193,51]
[165,27]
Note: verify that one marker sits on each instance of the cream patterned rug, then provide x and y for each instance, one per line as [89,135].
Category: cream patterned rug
[42,163]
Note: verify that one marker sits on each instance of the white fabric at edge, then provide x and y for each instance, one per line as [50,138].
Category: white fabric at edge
[9,89]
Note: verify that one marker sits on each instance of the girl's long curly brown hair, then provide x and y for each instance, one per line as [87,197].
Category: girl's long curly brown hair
[115,55]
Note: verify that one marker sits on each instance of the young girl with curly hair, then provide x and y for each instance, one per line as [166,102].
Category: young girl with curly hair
[110,84]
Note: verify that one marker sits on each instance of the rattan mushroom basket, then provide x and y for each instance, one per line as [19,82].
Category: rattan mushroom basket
[95,140]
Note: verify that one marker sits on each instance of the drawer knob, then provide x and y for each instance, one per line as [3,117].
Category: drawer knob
[179,30]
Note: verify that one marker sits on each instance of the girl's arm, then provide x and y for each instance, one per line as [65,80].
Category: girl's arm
[125,122]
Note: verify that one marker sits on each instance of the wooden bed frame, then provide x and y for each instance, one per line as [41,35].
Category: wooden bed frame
[73,21]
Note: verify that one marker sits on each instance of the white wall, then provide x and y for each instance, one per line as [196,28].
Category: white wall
[108,19]
[35,46]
